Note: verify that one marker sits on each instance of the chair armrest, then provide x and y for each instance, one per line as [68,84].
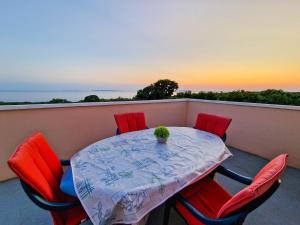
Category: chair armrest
[43,203]
[65,162]
[233,175]
[209,221]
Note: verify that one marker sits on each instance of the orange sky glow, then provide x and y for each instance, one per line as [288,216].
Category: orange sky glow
[203,45]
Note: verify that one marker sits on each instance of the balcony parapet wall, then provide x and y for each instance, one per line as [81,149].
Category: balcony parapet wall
[262,129]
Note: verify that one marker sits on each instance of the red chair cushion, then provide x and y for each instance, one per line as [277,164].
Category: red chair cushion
[261,183]
[212,123]
[207,196]
[36,164]
[128,122]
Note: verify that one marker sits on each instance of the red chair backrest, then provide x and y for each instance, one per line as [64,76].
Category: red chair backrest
[262,182]
[128,122]
[212,123]
[36,164]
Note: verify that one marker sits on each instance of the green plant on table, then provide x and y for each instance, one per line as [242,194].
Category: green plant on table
[162,132]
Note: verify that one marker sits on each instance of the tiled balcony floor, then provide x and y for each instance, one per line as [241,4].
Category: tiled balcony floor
[281,209]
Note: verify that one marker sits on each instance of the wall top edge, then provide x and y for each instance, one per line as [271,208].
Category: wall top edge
[88,104]
[248,104]
[95,104]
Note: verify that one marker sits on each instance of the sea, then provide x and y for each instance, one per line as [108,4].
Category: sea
[71,95]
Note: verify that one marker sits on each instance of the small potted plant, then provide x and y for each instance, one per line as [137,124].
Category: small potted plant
[162,133]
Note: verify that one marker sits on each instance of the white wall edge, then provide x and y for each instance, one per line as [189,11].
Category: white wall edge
[95,104]
[88,104]
[247,104]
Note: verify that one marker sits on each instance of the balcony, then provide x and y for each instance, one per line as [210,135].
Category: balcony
[259,131]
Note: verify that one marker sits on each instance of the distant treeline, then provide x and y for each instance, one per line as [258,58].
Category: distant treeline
[165,89]
[269,96]
[90,98]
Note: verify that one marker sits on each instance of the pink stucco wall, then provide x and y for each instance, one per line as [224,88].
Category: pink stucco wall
[261,130]
[69,129]
[256,128]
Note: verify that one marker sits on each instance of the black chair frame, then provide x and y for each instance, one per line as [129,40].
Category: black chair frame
[235,218]
[45,204]
[224,137]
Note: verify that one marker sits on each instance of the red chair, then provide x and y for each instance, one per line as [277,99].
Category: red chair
[206,202]
[128,122]
[40,172]
[213,124]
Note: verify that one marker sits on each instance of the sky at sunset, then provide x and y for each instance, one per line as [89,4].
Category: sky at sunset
[203,45]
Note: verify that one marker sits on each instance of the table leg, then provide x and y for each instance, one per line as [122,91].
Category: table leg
[168,205]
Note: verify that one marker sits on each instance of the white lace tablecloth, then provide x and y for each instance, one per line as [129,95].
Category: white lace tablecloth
[122,178]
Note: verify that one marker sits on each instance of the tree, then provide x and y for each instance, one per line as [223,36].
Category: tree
[159,90]
[91,98]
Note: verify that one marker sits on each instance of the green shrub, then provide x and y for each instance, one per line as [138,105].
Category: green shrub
[161,132]
[91,98]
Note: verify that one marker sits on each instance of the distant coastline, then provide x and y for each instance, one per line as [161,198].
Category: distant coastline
[71,95]
[269,96]
[67,90]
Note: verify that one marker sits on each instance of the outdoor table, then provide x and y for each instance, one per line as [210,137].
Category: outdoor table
[122,178]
